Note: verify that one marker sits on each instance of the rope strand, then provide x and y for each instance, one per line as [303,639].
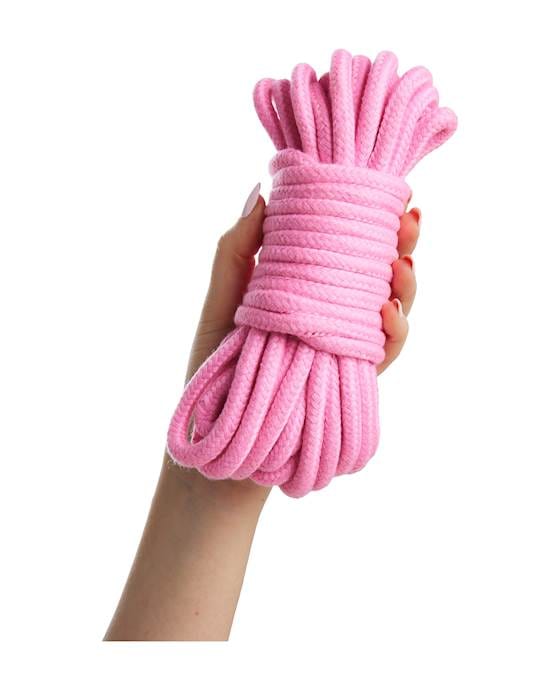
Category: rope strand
[290,396]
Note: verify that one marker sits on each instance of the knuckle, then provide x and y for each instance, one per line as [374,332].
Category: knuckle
[224,242]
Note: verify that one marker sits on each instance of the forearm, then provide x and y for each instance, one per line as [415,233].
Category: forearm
[188,572]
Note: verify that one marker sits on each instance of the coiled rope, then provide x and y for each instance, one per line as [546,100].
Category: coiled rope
[290,396]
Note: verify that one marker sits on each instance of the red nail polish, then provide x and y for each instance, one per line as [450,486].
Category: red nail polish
[409,260]
[415,212]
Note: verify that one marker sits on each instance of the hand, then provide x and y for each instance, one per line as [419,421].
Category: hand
[233,265]
[189,568]
[231,271]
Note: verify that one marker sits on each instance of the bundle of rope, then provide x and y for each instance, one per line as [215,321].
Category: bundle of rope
[290,396]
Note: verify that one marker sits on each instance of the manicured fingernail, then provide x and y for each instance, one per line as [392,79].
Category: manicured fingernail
[251,201]
[417,215]
[409,260]
[397,304]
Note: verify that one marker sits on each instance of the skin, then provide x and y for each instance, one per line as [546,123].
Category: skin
[188,572]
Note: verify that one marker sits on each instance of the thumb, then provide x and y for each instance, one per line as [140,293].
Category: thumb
[231,270]
[244,238]
[234,261]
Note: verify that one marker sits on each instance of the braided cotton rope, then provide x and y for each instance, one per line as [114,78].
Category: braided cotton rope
[290,396]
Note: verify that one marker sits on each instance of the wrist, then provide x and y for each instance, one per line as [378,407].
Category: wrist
[186,485]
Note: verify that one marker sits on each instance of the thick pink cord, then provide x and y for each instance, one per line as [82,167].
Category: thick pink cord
[290,396]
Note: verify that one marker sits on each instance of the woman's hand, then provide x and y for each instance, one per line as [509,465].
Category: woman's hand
[231,271]
[233,265]
[188,572]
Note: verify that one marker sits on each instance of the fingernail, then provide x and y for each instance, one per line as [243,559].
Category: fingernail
[409,260]
[397,304]
[417,215]
[251,201]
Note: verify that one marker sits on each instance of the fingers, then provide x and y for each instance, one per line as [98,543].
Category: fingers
[409,230]
[403,283]
[394,313]
[396,329]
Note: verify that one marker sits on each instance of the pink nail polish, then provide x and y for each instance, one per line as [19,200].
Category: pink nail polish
[251,201]
[409,260]
[417,215]
[397,304]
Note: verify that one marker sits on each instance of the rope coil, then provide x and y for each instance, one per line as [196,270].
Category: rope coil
[290,396]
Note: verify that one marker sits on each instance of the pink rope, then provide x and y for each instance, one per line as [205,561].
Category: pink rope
[290,396]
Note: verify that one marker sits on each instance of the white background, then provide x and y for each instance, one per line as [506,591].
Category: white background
[128,144]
